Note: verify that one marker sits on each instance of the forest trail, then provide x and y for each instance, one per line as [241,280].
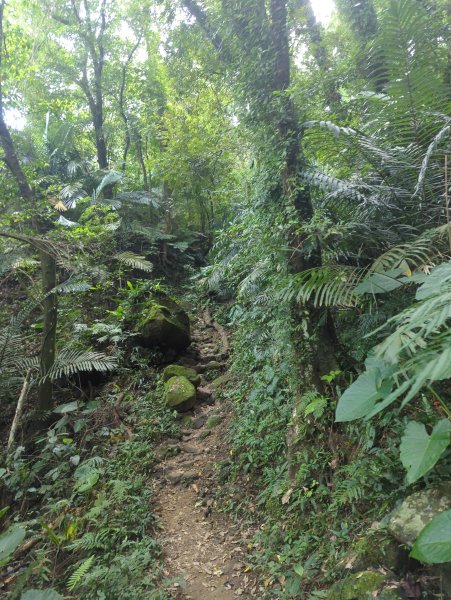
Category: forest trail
[204,550]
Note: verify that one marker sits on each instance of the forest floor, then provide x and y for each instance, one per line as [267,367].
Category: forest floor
[204,549]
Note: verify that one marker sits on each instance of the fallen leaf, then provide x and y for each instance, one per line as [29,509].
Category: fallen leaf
[286,497]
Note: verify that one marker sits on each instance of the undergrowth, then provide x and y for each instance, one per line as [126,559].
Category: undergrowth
[347,478]
[89,496]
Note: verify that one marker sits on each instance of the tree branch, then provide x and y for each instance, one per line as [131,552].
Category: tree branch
[202,19]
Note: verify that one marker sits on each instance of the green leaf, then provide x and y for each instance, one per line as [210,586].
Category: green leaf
[380,283]
[433,284]
[420,451]
[66,408]
[86,478]
[10,541]
[360,398]
[41,595]
[433,545]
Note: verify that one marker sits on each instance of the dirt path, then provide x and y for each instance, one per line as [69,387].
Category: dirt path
[204,550]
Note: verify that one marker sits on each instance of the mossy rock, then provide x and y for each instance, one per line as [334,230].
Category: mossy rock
[180,393]
[377,549]
[219,382]
[362,586]
[180,371]
[213,421]
[163,324]
[213,365]
[417,511]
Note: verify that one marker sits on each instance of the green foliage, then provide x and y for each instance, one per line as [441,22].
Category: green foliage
[79,573]
[46,594]
[433,545]
[325,200]
[10,540]
[420,451]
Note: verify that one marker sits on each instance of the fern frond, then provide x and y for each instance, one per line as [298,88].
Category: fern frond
[135,261]
[76,577]
[331,285]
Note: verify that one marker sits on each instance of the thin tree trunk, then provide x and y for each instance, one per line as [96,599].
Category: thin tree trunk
[139,152]
[48,278]
[122,111]
[19,411]
[48,265]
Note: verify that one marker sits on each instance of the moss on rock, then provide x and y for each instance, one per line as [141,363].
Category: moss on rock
[180,393]
[417,511]
[219,382]
[163,324]
[180,371]
[361,586]
[213,421]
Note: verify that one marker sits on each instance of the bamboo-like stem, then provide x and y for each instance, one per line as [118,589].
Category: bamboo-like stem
[19,410]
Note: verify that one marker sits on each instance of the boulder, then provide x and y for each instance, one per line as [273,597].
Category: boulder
[376,550]
[407,521]
[163,324]
[180,393]
[365,585]
[180,371]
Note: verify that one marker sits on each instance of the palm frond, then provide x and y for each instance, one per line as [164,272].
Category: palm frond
[71,193]
[111,178]
[441,135]
[70,361]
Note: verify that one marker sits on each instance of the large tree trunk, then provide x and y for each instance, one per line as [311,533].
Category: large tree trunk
[314,350]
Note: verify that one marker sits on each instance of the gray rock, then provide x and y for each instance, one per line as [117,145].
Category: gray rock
[167,451]
[204,393]
[213,364]
[190,449]
[176,477]
[417,510]
[199,421]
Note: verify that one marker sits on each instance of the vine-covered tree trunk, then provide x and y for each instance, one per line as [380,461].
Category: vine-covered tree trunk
[314,349]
